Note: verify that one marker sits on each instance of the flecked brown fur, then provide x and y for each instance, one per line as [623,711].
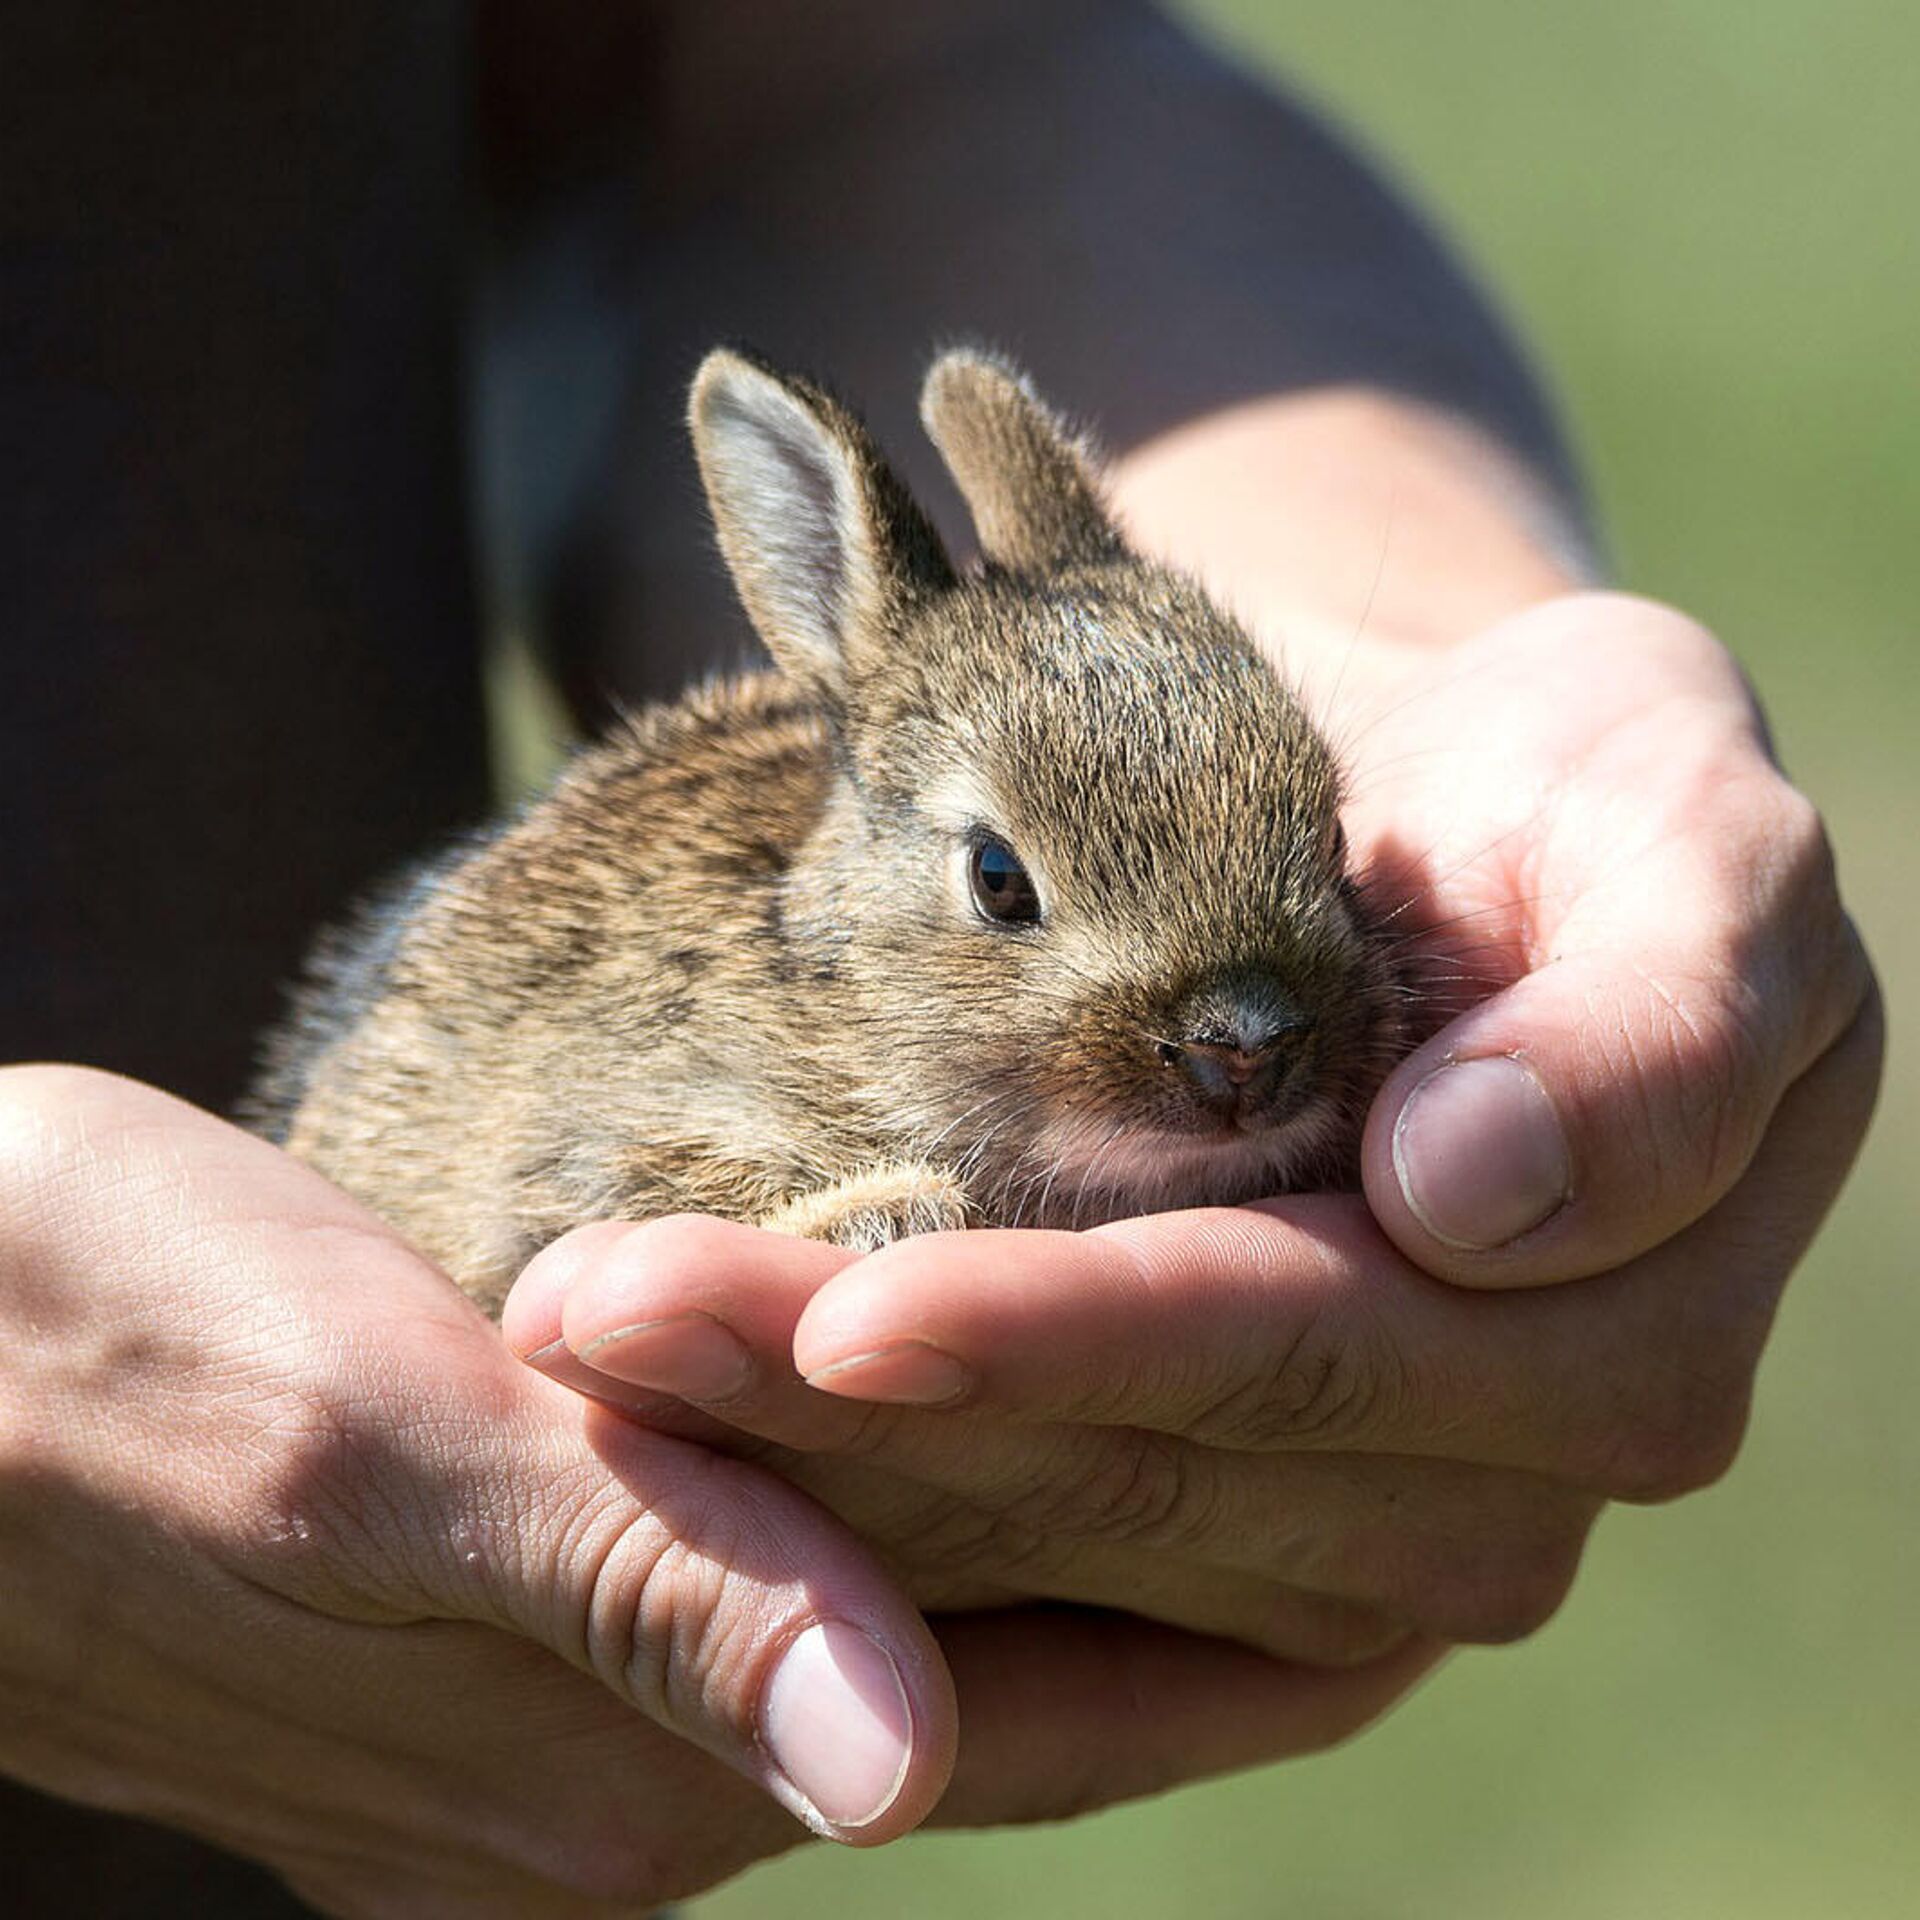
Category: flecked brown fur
[733,961]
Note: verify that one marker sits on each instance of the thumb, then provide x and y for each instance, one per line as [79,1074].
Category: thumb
[1610,1098]
[706,1593]
[334,1425]
[732,1610]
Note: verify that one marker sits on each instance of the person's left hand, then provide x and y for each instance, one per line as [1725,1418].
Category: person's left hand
[1280,1422]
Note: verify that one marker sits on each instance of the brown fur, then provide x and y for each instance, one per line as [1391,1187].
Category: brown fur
[731,962]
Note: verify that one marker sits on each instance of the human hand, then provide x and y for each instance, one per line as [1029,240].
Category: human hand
[1274,1422]
[296,1557]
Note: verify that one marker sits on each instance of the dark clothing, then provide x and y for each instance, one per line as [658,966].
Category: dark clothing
[242,674]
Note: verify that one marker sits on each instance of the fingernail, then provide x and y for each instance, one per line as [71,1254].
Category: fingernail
[836,1720]
[908,1374]
[1480,1154]
[689,1355]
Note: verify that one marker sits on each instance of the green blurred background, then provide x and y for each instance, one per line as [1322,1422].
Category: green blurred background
[1703,215]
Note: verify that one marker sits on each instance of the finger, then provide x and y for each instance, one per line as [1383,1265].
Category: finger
[681,1313]
[639,1288]
[1062,1541]
[381,1458]
[1295,1325]
[1066,1712]
[1314,1558]
[423,1474]
[977,1512]
[706,1593]
[1614,1095]
[1285,1326]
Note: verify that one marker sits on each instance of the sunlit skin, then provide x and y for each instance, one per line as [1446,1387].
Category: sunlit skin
[299,1556]
[332,1517]
[1627,896]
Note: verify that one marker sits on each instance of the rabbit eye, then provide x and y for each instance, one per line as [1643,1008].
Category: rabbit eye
[1001,887]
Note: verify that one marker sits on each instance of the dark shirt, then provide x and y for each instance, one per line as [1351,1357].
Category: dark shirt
[245,599]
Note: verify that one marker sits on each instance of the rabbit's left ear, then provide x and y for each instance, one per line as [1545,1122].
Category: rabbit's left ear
[826,546]
[1029,481]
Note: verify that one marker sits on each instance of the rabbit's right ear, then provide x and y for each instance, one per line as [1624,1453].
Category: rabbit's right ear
[1030,482]
[826,547]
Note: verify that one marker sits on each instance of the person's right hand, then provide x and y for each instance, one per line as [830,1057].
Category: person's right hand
[1317,1422]
[294,1554]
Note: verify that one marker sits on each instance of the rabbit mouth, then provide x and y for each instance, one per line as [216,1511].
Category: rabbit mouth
[1096,1173]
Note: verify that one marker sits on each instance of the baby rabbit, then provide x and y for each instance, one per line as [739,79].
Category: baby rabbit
[1014,896]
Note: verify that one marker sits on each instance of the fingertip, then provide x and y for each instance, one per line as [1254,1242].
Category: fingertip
[693,1306]
[855,1754]
[692,1356]
[878,1331]
[1469,1168]
[908,1373]
[1572,1123]
[855,1311]
[530,1319]
[1478,1154]
[594,1287]
[936,1294]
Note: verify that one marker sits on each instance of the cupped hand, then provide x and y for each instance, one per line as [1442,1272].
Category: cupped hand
[297,1557]
[1648,1046]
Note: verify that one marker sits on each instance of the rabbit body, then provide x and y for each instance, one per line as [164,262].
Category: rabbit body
[1014,896]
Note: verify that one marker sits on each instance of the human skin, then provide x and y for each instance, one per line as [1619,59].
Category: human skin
[1215,246]
[1327,1422]
[322,1463]
[302,1561]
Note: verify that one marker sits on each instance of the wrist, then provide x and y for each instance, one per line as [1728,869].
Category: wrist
[1325,515]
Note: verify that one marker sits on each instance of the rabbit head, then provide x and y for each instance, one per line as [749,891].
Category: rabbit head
[1076,916]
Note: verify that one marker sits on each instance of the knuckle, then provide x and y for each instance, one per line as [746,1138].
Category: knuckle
[679,1608]
[1700,1060]
[1828,952]
[653,1621]
[860,1430]
[1798,832]
[1684,1445]
[1327,1632]
[1823,953]
[1134,1485]
[1497,1601]
[1320,1387]
[956,1547]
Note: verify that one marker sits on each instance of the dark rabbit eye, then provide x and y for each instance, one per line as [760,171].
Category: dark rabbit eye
[1001,888]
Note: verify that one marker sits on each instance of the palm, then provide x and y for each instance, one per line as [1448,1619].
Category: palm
[1272,1423]
[1536,793]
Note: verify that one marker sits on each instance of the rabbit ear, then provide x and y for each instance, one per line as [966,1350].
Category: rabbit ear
[825,545]
[1029,482]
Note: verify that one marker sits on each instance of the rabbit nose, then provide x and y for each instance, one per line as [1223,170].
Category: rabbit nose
[1228,1076]
[1211,1064]
[1233,1061]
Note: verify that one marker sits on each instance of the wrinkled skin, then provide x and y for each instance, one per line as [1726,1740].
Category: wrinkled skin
[302,1561]
[1280,1422]
[558,1630]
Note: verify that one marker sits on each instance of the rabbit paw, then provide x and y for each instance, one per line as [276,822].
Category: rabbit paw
[875,1208]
